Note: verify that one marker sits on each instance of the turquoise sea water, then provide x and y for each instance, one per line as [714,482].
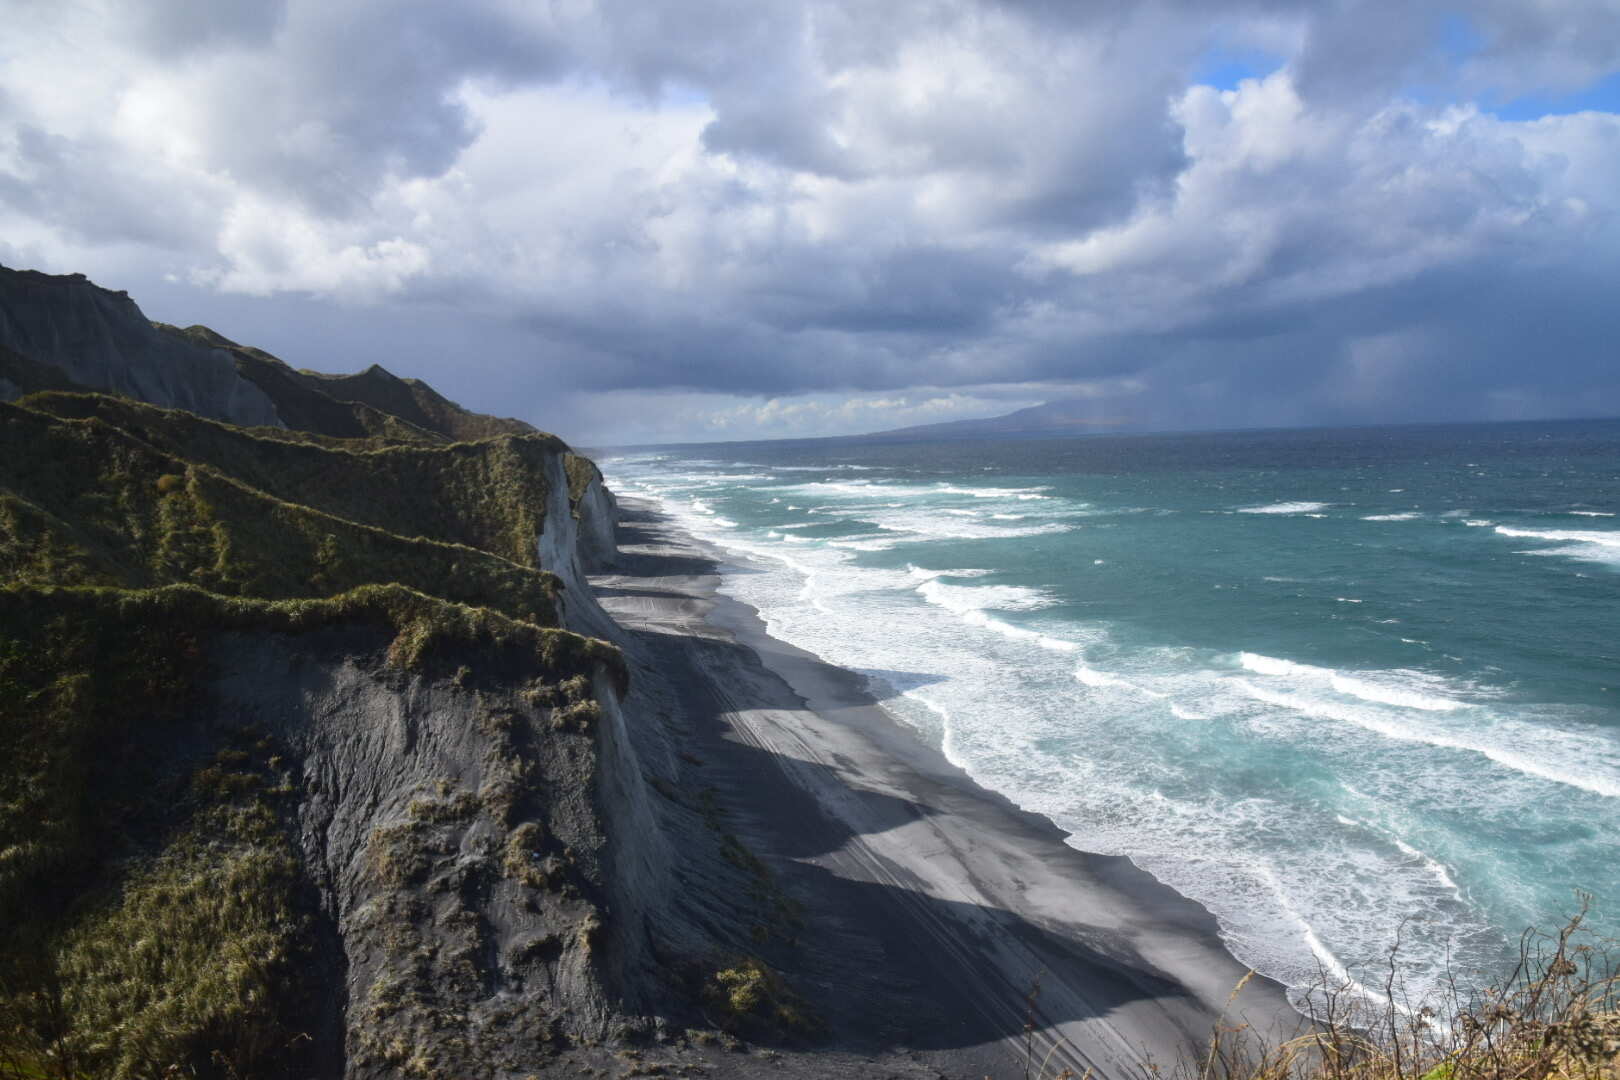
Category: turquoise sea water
[1332,684]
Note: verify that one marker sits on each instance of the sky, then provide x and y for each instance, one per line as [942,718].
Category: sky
[671,220]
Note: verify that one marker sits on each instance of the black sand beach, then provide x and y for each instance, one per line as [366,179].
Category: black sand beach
[946,931]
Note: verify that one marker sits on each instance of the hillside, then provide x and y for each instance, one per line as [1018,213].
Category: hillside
[313,760]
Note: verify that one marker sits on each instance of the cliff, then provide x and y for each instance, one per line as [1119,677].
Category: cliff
[99,340]
[313,760]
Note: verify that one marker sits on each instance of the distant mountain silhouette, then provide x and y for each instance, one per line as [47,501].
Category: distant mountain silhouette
[1071,417]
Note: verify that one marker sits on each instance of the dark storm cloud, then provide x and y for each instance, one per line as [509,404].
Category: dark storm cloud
[746,200]
[173,28]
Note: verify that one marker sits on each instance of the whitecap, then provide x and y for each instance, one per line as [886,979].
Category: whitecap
[1283,508]
[1092,677]
[1405,731]
[962,598]
[1100,679]
[1410,516]
[922,573]
[1586,544]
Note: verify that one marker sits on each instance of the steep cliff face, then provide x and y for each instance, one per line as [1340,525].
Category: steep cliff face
[312,761]
[414,804]
[596,511]
[100,340]
[370,403]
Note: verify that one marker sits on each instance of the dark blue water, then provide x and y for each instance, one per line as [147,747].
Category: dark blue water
[1326,682]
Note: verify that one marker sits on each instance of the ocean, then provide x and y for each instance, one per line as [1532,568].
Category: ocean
[1340,686]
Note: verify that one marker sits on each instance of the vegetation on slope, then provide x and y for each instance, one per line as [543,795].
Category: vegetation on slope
[1555,1015]
[86,503]
[155,909]
[27,376]
[489,495]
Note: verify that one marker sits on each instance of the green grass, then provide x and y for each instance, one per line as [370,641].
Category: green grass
[489,495]
[84,502]
[582,472]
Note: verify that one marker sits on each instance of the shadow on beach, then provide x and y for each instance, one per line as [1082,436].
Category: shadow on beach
[890,853]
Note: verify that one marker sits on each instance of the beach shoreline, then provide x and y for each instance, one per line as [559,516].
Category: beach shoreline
[922,888]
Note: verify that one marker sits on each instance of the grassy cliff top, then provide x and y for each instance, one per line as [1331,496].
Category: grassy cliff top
[490,495]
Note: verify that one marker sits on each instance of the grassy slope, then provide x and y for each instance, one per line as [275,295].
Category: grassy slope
[86,503]
[488,495]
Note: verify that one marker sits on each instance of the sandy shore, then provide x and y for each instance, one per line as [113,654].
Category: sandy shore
[934,906]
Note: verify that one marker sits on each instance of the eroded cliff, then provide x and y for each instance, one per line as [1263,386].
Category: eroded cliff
[312,758]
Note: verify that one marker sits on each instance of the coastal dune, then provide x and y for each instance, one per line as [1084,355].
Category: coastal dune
[944,921]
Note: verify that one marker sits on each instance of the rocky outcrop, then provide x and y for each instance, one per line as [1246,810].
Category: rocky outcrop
[100,340]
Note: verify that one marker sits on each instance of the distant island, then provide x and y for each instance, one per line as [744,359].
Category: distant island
[1051,419]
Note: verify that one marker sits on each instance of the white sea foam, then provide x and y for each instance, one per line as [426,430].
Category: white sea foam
[1271,665]
[922,573]
[1580,536]
[1091,677]
[875,489]
[1593,513]
[1019,633]
[1100,679]
[1590,545]
[962,598]
[1283,508]
[1409,516]
[1403,688]
[1109,763]
[1605,781]
[1393,695]
[1434,866]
